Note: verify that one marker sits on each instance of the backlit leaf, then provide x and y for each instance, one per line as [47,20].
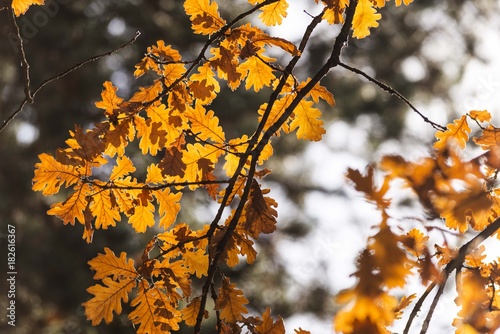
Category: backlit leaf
[109,265]
[107,299]
[307,121]
[273,13]
[365,17]
[21,6]
[230,302]
[204,15]
[50,175]
[456,133]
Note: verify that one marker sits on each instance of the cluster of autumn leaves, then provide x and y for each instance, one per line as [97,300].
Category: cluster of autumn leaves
[174,127]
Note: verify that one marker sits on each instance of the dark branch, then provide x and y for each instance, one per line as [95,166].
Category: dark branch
[62,74]
[394,92]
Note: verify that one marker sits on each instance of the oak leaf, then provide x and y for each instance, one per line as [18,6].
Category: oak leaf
[269,326]
[190,312]
[307,121]
[204,15]
[168,207]
[273,13]
[230,302]
[258,73]
[110,101]
[154,312]
[259,212]
[107,299]
[109,265]
[73,207]
[204,124]
[365,17]
[50,175]
[456,132]
[21,6]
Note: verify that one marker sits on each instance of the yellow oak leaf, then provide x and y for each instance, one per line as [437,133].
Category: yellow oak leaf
[103,210]
[21,6]
[273,13]
[318,92]
[258,74]
[154,174]
[204,86]
[456,132]
[307,121]
[147,94]
[204,124]
[143,217]
[278,108]
[204,15]
[109,265]
[334,11]
[50,175]
[269,326]
[107,299]
[168,207]
[154,311]
[118,137]
[230,302]
[365,17]
[235,146]
[124,166]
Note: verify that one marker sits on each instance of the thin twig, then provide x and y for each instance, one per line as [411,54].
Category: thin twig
[25,67]
[62,74]
[394,92]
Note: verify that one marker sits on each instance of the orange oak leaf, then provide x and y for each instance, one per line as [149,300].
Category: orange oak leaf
[21,6]
[73,207]
[124,166]
[142,217]
[197,262]
[109,265]
[190,312]
[107,299]
[50,175]
[154,311]
[259,212]
[366,184]
[269,326]
[110,101]
[456,133]
[230,302]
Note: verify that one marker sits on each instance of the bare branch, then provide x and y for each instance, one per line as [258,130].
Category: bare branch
[62,74]
[394,92]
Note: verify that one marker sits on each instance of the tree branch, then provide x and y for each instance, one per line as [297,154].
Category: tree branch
[62,74]
[453,265]
[394,92]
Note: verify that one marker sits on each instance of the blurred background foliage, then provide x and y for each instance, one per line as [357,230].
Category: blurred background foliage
[51,258]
